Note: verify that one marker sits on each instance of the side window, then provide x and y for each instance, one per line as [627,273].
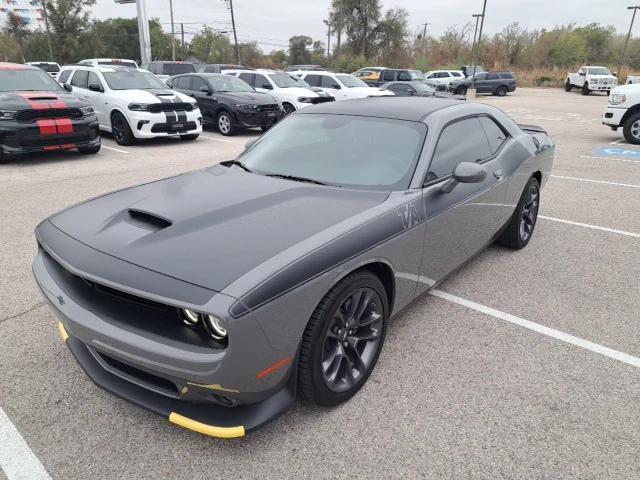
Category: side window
[388,76]
[198,84]
[329,82]
[313,80]
[247,77]
[183,83]
[456,74]
[451,151]
[404,76]
[482,76]
[492,76]
[508,76]
[495,134]
[400,88]
[433,75]
[261,81]
[64,76]
[94,80]
[80,79]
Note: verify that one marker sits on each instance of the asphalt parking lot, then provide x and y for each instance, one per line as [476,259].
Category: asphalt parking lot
[470,383]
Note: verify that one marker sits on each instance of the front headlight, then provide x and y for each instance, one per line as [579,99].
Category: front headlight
[195,106]
[87,111]
[214,326]
[8,114]
[246,107]
[139,107]
[305,99]
[617,98]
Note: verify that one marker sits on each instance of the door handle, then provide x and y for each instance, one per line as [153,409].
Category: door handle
[498,174]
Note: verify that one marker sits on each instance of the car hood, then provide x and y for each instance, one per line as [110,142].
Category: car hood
[211,226]
[247,97]
[151,96]
[28,100]
[297,92]
[606,77]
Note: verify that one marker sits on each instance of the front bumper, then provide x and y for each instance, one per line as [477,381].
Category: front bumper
[612,116]
[164,124]
[599,87]
[258,119]
[18,138]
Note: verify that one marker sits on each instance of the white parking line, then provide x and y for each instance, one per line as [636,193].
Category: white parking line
[596,181]
[114,149]
[610,158]
[536,327]
[617,141]
[594,227]
[16,458]
[217,139]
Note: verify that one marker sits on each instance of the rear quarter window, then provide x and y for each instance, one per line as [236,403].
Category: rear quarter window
[64,76]
[506,75]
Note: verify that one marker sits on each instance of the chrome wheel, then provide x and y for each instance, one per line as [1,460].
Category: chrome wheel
[224,124]
[635,129]
[352,339]
[529,212]
[288,109]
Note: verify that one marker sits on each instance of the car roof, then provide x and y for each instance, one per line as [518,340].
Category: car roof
[399,108]
[100,68]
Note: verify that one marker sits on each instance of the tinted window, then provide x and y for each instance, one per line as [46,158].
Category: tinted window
[121,63]
[462,141]
[506,75]
[495,134]
[404,76]
[247,77]
[442,75]
[482,76]
[456,74]
[80,79]
[47,67]
[177,68]
[366,152]
[492,76]
[64,76]
[199,84]
[132,79]
[93,79]
[313,80]
[388,76]
[401,88]
[226,83]
[182,83]
[329,82]
[261,81]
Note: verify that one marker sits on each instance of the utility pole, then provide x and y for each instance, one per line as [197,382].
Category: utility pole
[173,33]
[424,37]
[475,33]
[328,24]
[182,37]
[143,32]
[235,36]
[626,43]
[475,58]
[46,26]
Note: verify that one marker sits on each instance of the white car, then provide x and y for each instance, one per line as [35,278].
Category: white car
[134,104]
[342,86]
[52,68]
[112,62]
[284,88]
[624,111]
[633,79]
[436,78]
[591,79]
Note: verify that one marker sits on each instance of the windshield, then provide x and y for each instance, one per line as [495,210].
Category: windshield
[26,79]
[283,80]
[416,75]
[47,67]
[227,83]
[350,81]
[352,151]
[301,83]
[132,79]
[421,87]
[119,63]
[599,71]
[172,69]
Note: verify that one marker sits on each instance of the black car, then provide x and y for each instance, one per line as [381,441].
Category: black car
[409,89]
[496,83]
[228,102]
[218,67]
[396,75]
[38,115]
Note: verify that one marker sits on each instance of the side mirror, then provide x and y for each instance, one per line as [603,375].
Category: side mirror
[67,87]
[94,87]
[465,172]
[250,143]
[206,90]
[266,86]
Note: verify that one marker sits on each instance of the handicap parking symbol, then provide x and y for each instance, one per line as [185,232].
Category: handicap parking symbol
[618,152]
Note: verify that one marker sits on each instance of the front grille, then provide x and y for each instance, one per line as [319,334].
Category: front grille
[170,107]
[31,115]
[317,100]
[168,127]
[55,140]
[268,108]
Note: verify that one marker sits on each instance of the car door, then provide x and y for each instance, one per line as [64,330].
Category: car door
[493,81]
[481,83]
[95,94]
[332,87]
[464,220]
[262,83]
[80,82]
[206,96]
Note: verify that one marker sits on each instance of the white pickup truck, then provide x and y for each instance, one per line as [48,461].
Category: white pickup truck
[591,79]
[624,111]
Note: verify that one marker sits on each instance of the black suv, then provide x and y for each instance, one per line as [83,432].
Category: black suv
[496,83]
[228,102]
[396,75]
[169,69]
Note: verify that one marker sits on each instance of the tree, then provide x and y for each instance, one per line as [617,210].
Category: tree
[17,27]
[360,19]
[9,48]
[212,47]
[298,53]
[571,48]
[67,20]
[279,58]
[391,38]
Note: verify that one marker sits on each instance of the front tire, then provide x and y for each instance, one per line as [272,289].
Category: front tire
[121,131]
[585,89]
[631,129]
[523,221]
[501,91]
[89,150]
[288,109]
[461,90]
[567,86]
[343,340]
[225,124]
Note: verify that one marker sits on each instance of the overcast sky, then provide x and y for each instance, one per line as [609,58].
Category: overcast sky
[272,22]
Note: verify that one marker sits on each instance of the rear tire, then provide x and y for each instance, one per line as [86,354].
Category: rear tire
[567,86]
[501,91]
[89,150]
[461,90]
[523,221]
[191,136]
[343,340]
[121,130]
[585,89]
[631,129]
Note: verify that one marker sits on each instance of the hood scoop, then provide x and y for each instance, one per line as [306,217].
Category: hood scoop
[44,99]
[148,221]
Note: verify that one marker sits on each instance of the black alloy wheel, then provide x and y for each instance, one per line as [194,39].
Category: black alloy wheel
[461,90]
[120,129]
[501,91]
[520,228]
[288,108]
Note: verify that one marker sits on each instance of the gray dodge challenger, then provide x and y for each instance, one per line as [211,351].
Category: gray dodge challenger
[217,297]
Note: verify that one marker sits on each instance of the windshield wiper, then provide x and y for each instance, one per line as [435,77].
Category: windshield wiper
[229,163]
[297,179]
